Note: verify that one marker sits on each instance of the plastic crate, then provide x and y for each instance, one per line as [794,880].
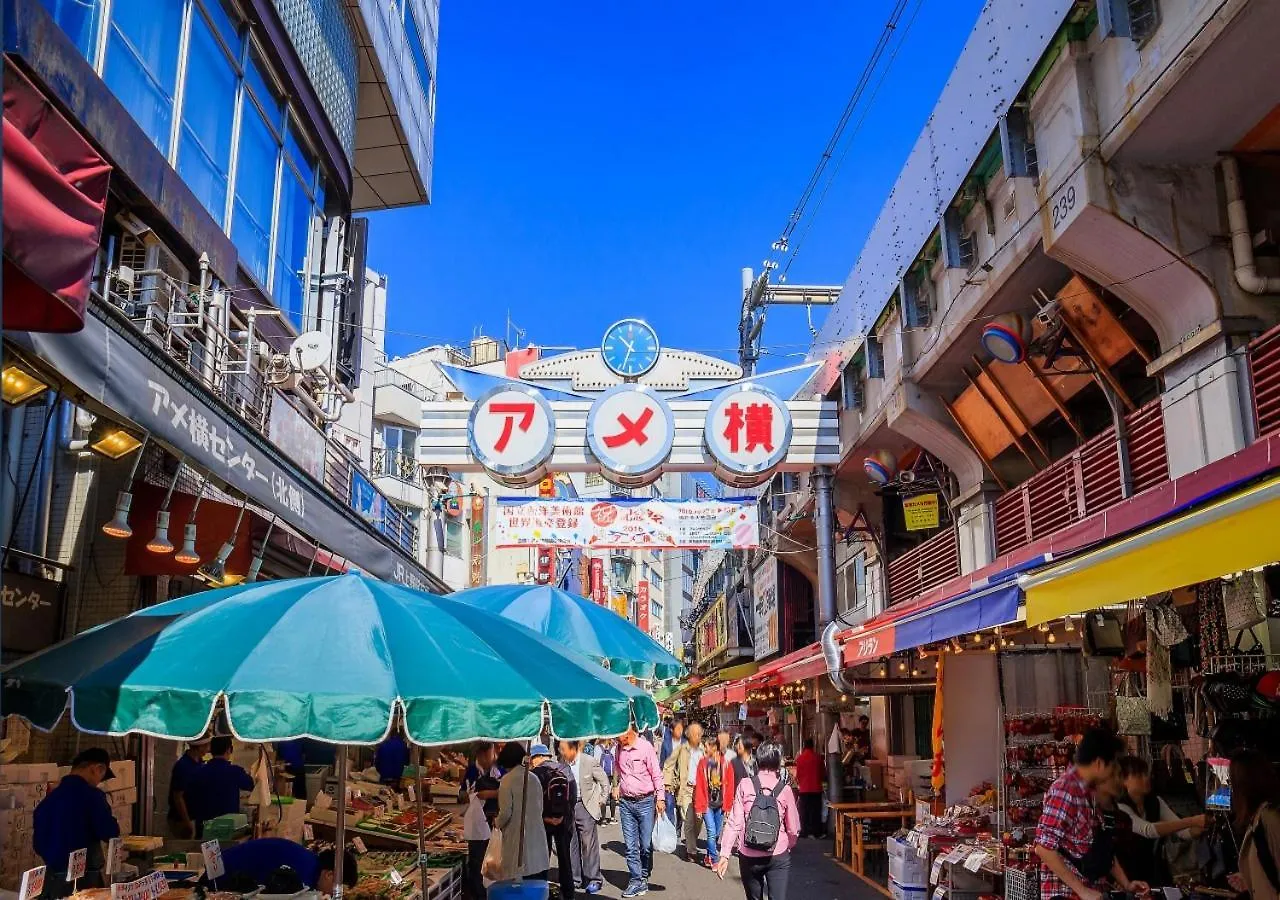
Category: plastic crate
[1021,885]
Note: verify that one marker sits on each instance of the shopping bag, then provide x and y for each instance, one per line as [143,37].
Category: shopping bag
[665,838]
[491,867]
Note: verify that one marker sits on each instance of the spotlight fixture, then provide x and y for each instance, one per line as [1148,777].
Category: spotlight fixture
[20,385]
[215,572]
[160,543]
[1070,626]
[188,555]
[112,441]
[256,566]
[1052,639]
[915,673]
[977,638]
[1044,627]
[118,526]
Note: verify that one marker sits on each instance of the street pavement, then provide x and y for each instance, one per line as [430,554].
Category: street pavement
[813,875]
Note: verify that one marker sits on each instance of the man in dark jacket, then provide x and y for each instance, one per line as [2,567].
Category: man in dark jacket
[75,816]
[559,800]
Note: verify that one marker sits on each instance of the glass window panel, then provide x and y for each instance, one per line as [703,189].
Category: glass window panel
[293,229]
[227,21]
[255,192]
[414,37]
[263,89]
[302,159]
[79,19]
[208,117]
[142,62]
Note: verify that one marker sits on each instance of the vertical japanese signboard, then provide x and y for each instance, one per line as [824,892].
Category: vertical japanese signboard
[598,593]
[477,541]
[764,590]
[642,606]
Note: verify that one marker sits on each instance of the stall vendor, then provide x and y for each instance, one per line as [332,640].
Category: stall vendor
[74,816]
[390,759]
[261,859]
[215,790]
[184,770]
[293,757]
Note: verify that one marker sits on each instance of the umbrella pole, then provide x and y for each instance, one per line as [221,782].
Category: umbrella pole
[422,829]
[340,829]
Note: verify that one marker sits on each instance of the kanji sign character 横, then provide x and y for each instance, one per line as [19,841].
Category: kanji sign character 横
[756,420]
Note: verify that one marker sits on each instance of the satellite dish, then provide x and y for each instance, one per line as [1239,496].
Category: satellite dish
[310,351]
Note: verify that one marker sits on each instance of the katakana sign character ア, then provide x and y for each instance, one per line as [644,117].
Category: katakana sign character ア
[511,410]
[631,431]
[756,421]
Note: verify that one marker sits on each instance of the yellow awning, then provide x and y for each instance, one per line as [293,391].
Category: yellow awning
[1230,535]
[734,673]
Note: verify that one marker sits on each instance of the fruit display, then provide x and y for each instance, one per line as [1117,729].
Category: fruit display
[405,824]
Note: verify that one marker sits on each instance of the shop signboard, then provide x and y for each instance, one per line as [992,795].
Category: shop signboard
[30,609]
[293,433]
[597,581]
[110,367]
[476,578]
[712,631]
[920,512]
[642,606]
[747,431]
[628,524]
[367,500]
[764,591]
[872,646]
[512,432]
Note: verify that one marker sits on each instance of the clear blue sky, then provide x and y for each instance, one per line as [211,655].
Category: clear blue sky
[595,160]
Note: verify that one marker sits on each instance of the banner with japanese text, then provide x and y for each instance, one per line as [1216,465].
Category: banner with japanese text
[628,524]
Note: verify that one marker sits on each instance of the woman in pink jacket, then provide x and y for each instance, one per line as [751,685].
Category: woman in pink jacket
[762,868]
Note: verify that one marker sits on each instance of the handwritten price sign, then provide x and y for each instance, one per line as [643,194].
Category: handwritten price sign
[32,884]
[76,863]
[212,853]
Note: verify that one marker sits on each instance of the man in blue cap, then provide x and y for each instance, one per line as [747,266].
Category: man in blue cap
[559,798]
[75,816]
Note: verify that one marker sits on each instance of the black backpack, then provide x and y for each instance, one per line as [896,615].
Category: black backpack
[765,819]
[555,794]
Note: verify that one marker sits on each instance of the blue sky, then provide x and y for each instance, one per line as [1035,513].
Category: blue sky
[599,160]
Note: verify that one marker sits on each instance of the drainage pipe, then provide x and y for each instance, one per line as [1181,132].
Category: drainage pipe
[1246,266]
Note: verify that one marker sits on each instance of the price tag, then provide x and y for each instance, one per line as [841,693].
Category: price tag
[956,854]
[76,862]
[32,884]
[940,892]
[413,797]
[158,884]
[359,846]
[396,877]
[935,873]
[308,832]
[115,856]
[975,860]
[212,853]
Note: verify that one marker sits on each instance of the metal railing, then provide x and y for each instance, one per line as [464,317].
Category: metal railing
[1083,482]
[182,321]
[1264,377]
[392,378]
[397,465]
[924,566]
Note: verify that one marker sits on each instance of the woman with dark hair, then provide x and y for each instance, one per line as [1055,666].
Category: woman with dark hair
[520,818]
[1255,810]
[762,867]
[1141,851]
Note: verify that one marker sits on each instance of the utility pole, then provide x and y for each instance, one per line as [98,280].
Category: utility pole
[758,293]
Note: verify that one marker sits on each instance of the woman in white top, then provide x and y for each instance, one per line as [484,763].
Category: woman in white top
[1142,855]
[515,811]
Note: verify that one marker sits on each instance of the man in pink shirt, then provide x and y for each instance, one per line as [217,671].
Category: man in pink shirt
[762,867]
[639,792]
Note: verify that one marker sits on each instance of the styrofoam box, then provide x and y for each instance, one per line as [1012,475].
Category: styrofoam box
[905,866]
[906,892]
[28,773]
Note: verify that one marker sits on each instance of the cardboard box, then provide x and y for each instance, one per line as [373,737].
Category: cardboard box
[28,773]
[906,866]
[907,892]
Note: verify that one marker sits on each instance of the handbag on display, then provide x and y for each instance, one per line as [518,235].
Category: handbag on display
[1165,623]
[1244,601]
[1103,635]
[1133,716]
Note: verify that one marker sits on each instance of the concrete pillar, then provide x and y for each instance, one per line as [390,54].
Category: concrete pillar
[1205,408]
[975,524]
[824,525]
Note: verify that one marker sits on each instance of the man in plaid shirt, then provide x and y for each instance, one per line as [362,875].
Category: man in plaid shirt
[1071,864]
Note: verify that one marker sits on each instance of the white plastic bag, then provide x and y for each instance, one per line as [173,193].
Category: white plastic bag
[491,867]
[665,838]
[475,827]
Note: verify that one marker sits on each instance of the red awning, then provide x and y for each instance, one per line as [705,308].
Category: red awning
[713,696]
[55,195]
[736,692]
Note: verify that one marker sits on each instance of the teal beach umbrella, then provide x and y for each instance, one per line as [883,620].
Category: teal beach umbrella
[328,658]
[579,624]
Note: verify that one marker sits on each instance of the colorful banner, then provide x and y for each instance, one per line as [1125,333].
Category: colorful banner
[628,524]
[712,631]
[621,606]
[642,606]
[477,541]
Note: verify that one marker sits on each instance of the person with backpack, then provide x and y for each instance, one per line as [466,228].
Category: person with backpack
[713,795]
[1255,811]
[559,798]
[763,826]
[608,755]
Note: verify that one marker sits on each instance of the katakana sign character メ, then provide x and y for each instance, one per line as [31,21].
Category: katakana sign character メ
[631,431]
[511,410]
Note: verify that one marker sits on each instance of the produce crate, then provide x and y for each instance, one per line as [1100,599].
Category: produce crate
[1020,884]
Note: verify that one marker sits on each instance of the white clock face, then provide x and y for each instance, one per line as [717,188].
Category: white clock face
[630,348]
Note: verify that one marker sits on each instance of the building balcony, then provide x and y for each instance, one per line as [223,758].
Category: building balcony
[398,399]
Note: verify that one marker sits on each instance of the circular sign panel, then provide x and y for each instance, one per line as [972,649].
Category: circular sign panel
[511,433]
[747,434]
[630,430]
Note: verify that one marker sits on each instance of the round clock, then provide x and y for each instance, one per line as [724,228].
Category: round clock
[630,348]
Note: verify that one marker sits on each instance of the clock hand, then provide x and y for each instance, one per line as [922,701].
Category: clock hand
[625,344]
[626,356]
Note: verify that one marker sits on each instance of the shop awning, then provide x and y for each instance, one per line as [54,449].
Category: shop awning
[712,696]
[1230,535]
[55,195]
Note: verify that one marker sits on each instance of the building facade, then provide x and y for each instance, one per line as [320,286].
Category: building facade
[186,386]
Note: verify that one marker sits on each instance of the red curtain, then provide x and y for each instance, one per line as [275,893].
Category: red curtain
[55,195]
